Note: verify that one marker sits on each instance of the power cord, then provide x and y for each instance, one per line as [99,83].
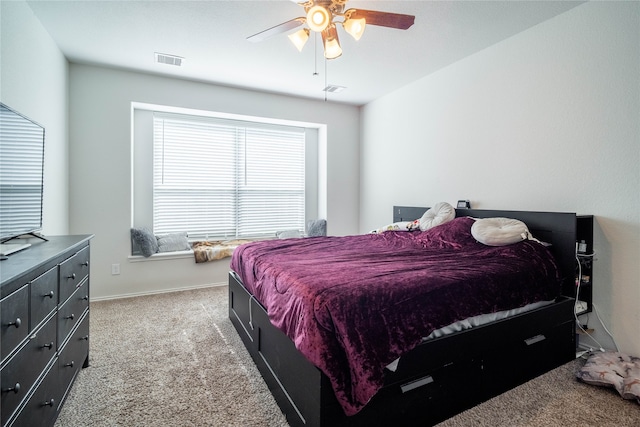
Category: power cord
[613,340]
[575,314]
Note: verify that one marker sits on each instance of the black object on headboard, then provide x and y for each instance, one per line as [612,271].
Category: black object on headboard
[556,228]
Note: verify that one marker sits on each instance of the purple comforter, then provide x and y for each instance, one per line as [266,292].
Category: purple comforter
[354,304]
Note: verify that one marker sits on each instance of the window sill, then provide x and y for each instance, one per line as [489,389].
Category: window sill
[162,256]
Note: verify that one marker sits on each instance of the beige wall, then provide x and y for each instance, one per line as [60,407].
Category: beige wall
[34,79]
[100,173]
[546,120]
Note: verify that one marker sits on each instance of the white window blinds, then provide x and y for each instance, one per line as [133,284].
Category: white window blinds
[216,178]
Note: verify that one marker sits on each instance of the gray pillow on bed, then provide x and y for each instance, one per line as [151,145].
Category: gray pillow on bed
[145,241]
[316,227]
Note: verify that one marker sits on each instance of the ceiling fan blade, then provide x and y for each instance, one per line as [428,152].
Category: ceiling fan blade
[278,29]
[382,19]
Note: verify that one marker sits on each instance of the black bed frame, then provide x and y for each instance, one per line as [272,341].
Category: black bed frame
[439,378]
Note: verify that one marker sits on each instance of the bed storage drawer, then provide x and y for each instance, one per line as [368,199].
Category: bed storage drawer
[525,356]
[425,400]
[530,347]
[240,310]
[277,352]
[434,354]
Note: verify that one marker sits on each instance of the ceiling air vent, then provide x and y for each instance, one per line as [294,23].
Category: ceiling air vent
[334,89]
[163,58]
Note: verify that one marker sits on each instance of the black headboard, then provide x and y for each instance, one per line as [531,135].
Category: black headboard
[556,228]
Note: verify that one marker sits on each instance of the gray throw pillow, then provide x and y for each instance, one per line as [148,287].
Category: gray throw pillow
[316,227]
[173,242]
[144,239]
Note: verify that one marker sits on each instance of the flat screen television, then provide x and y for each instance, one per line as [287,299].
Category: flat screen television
[21,175]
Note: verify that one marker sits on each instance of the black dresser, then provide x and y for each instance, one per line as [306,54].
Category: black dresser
[45,327]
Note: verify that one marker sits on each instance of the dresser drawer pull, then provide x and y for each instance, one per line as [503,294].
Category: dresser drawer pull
[417,383]
[85,338]
[49,345]
[72,277]
[49,403]
[69,365]
[15,323]
[71,316]
[15,389]
[85,298]
[85,264]
[50,295]
[536,339]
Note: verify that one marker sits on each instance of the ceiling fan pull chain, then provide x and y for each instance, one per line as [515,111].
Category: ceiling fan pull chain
[325,80]
[315,54]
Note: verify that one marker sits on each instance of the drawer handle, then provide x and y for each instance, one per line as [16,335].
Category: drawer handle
[533,340]
[49,403]
[69,365]
[85,298]
[15,323]
[49,345]
[72,277]
[71,316]
[417,383]
[50,294]
[85,264]
[85,338]
[15,389]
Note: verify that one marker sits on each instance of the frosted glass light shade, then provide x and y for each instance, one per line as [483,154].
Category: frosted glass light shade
[355,27]
[331,43]
[299,38]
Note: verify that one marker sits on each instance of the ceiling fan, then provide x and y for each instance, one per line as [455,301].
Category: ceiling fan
[322,17]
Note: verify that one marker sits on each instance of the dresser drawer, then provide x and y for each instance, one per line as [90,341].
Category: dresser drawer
[74,355]
[23,369]
[42,407]
[72,273]
[44,296]
[70,313]
[14,312]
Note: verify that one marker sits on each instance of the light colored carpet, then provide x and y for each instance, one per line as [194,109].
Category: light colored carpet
[172,359]
[175,360]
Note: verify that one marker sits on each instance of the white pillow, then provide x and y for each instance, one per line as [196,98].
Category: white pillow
[499,231]
[439,214]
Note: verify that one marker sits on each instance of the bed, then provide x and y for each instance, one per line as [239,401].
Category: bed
[343,340]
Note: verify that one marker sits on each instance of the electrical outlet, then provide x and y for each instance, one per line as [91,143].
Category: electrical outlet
[115,269]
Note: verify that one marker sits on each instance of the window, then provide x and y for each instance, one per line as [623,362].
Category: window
[217,178]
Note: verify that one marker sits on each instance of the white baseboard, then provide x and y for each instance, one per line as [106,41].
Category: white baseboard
[164,291]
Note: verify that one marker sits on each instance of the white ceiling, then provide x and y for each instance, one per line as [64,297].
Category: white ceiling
[211,36]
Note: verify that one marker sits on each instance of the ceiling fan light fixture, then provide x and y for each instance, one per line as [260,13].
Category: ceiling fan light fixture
[355,27]
[299,38]
[318,18]
[332,48]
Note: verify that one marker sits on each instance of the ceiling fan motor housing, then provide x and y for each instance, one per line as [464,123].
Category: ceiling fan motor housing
[320,13]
